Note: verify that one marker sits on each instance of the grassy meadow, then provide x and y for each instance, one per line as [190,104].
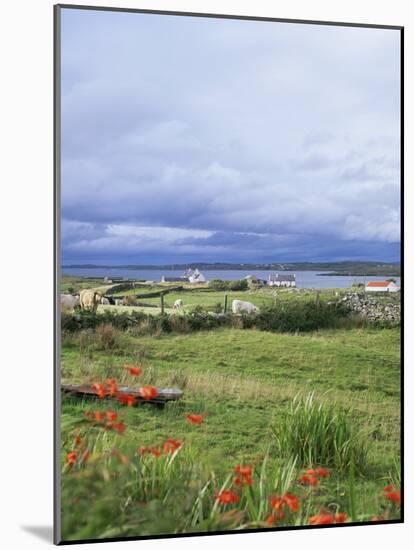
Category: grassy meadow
[272,408]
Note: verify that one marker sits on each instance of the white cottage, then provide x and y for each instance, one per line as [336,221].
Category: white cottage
[285,280]
[195,276]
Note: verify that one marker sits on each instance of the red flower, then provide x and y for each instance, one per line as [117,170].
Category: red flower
[171,445]
[119,427]
[195,418]
[389,488]
[322,519]
[340,518]
[111,415]
[276,503]
[78,440]
[243,475]
[270,520]
[394,496]
[309,480]
[291,501]
[155,452]
[244,470]
[133,371]
[322,472]
[127,399]
[100,390]
[71,458]
[148,392]
[327,519]
[227,497]
[113,387]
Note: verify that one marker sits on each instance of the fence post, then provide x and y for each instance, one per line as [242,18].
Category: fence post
[317,301]
[162,302]
[225,303]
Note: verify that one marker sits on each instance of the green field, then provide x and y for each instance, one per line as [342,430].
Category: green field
[244,381]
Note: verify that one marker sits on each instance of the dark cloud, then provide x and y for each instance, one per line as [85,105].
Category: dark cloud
[227,140]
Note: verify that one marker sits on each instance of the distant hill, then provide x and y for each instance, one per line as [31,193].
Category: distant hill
[368,269]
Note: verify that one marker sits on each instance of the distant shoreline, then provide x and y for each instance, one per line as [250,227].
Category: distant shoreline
[333,269]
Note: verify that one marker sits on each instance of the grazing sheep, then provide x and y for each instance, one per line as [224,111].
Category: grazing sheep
[178,304]
[89,300]
[238,306]
[105,301]
[68,301]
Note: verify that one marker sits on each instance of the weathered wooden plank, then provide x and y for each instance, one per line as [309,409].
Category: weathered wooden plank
[163,394]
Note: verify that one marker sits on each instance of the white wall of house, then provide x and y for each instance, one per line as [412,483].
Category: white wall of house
[392,287]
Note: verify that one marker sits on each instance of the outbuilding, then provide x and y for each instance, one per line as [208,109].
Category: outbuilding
[382,286]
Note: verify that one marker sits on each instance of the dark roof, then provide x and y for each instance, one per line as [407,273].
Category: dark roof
[174,279]
[284,277]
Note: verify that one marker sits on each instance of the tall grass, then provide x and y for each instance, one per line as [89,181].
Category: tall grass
[317,433]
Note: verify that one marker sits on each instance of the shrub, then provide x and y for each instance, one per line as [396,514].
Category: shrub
[108,336]
[320,434]
[217,284]
[294,315]
[242,284]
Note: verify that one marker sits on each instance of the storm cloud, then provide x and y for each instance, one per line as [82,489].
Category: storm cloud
[188,139]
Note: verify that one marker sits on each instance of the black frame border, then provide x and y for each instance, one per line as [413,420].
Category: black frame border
[56,263]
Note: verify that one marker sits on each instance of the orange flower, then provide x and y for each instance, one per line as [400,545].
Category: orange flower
[340,518]
[389,488]
[111,415]
[133,371]
[291,502]
[77,440]
[171,445]
[276,503]
[244,470]
[143,450]
[148,392]
[227,497]
[327,519]
[195,418]
[394,496]
[71,458]
[322,519]
[100,390]
[127,399]
[113,387]
[155,452]
[322,472]
[309,480]
[243,476]
[270,520]
[119,427]
[99,417]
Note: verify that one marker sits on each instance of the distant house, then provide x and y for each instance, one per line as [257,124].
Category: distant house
[195,276]
[381,286]
[165,279]
[284,279]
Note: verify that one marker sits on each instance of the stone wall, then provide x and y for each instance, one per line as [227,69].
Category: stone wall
[374,308]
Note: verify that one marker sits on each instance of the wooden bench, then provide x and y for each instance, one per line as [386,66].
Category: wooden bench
[163,395]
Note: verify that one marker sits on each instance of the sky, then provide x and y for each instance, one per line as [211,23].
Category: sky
[191,139]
